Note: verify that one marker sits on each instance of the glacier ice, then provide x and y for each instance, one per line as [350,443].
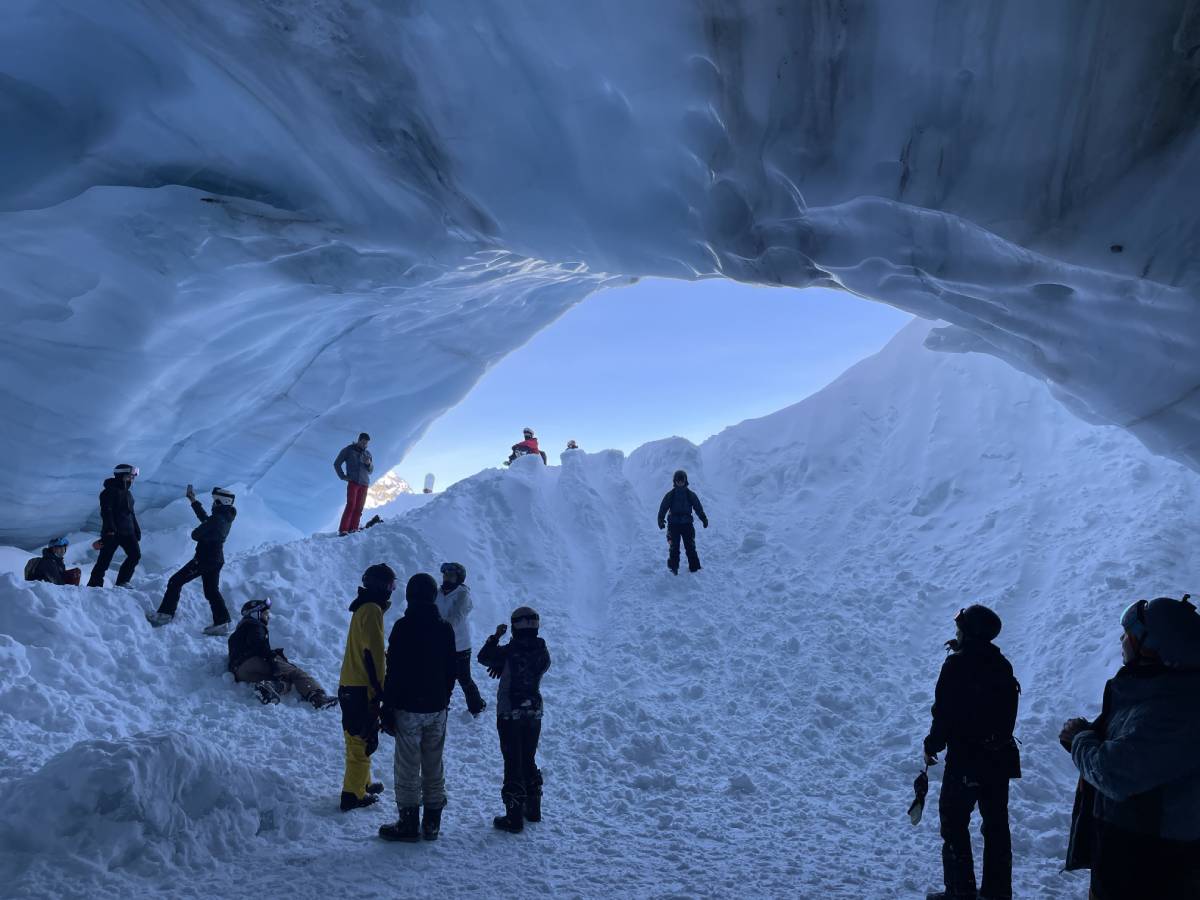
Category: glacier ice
[233,235]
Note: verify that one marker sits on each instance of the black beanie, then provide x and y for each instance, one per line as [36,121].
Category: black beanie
[380,577]
[421,589]
[978,622]
[680,475]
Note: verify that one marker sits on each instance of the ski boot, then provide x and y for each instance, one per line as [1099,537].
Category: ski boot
[158,619]
[431,825]
[513,820]
[217,629]
[947,895]
[267,692]
[407,828]
[375,787]
[532,808]
[321,700]
[673,571]
[349,801]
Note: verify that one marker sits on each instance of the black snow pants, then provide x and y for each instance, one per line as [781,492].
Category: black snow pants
[210,578]
[687,531]
[108,547]
[462,673]
[958,798]
[518,746]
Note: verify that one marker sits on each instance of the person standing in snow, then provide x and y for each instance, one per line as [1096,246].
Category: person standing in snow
[118,527]
[675,514]
[206,565]
[1137,813]
[974,714]
[50,566]
[520,665]
[251,659]
[421,667]
[525,447]
[358,464]
[360,686]
[454,605]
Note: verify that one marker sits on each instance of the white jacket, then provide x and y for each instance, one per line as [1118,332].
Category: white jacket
[455,608]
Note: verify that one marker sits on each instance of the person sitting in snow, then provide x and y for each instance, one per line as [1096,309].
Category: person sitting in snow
[526,447]
[421,667]
[454,605]
[974,714]
[675,514]
[251,659]
[207,563]
[572,445]
[1137,812]
[118,527]
[50,567]
[520,665]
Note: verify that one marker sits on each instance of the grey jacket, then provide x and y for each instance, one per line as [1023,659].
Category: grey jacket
[1146,766]
[359,464]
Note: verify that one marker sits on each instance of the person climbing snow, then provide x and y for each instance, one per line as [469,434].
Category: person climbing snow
[1137,813]
[360,686]
[251,659]
[358,468]
[526,447]
[974,714]
[520,665]
[675,514]
[454,605]
[421,668]
[206,564]
[50,567]
[118,527]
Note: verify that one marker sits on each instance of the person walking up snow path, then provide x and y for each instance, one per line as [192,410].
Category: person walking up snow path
[454,605]
[359,466]
[520,665]
[272,674]
[679,503]
[206,565]
[118,527]
[974,714]
[360,686]
[421,668]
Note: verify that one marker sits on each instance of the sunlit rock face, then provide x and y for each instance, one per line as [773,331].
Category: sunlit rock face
[232,235]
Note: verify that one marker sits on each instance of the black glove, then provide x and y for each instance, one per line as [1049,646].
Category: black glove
[662,525]
[387,720]
[494,672]
[704,522]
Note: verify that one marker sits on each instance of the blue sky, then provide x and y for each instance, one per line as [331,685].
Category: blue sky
[656,359]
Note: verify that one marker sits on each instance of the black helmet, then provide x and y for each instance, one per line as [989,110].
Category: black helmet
[125,469]
[978,622]
[525,617]
[381,577]
[680,475]
[255,608]
[421,588]
[459,570]
[1169,627]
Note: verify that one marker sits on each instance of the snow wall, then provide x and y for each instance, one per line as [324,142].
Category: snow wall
[232,235]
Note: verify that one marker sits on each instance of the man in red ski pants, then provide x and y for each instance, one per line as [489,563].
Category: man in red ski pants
[358,468]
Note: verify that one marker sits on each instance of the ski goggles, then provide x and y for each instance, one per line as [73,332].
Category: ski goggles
[1133,620]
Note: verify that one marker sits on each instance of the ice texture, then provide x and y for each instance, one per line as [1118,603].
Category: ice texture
[234,234]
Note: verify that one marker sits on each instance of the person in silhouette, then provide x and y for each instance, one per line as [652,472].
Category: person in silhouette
[675,514]
[1137,813]
[974,714]
[118,527]
[359,465]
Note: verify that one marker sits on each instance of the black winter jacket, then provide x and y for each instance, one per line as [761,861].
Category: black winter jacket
[249,640]
[680,501]
[116,510]
[522,662]
[51,568]
[975,712]
[211,533]
[420,662]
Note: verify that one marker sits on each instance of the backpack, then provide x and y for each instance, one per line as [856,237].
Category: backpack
[32,567]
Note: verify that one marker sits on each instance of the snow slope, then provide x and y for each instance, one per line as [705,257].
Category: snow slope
[753,729]
[234,234]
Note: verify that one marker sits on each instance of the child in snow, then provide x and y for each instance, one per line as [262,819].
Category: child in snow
[360,687]
[519,665]
[50,566]
[454,605]
[118,527]
[252,659]
[679,502]
[206,565]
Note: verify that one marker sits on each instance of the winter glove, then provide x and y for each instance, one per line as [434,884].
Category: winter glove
[931,759]
[387,720]
[662,525]
[494,672]
[1070,729]
[704,522]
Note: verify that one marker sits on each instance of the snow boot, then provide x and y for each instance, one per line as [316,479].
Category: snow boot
[217,629]
[266,692]
[431,825]
[349,801]
[694,569]
[946,895]
[513,820]
[532,808]
[375,787]
[156,618]
[407,828]
[673,571]
[321,700]
[375,520]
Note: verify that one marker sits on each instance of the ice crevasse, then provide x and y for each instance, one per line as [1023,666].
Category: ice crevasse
[232,235]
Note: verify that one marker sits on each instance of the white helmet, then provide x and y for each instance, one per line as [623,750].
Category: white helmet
[528,432]
[222,496]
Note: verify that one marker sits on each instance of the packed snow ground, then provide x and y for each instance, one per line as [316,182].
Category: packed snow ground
[752,730]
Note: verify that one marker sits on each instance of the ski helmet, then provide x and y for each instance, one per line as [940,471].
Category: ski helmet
[59,542]
[680,475]
[125,469]
[525,618]
[571,445]
[255,608]
[459,570]
[222,496]
[528,432]
[1168,627]
[978,622]
[421,588]
[380,576]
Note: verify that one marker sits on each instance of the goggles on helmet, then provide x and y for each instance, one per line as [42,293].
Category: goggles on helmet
[1133,620]
[59,542]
